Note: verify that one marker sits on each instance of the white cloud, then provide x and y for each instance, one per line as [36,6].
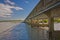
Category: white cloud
[9,2]
[26,1]
[18,8]
[6,10]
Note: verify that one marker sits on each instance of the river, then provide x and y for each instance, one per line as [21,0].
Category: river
[13,31]
[23,31]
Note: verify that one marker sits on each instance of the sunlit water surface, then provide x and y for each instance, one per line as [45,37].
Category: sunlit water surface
[13,31]
[19,31]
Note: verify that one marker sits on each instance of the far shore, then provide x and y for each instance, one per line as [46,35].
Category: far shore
[11,21]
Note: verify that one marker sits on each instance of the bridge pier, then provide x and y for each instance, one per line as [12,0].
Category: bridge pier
[51,25]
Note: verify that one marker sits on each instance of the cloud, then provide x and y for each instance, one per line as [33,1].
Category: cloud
[9,2]
[6,9]
[26,1]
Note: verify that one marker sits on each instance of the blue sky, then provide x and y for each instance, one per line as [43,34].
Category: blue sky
[16,9]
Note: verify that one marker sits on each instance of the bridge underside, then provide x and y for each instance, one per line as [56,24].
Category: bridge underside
[45,20]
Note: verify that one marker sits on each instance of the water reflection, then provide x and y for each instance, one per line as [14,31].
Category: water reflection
[17,31]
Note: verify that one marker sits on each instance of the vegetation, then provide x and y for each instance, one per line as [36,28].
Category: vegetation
[45,21]
[11,20]
[55,20]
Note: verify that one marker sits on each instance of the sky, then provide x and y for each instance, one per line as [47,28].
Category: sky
[16,9]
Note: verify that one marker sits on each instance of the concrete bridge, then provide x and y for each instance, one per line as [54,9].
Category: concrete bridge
[43,16]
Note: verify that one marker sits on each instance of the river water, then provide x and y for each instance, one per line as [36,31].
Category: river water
[14,31]
[23,31]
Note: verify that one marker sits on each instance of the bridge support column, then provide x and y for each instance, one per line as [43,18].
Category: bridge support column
[51,26]
[31,22]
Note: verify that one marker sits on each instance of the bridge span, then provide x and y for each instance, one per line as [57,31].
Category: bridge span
[43,17]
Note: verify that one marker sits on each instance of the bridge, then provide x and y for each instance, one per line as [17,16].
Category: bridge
[43,16]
